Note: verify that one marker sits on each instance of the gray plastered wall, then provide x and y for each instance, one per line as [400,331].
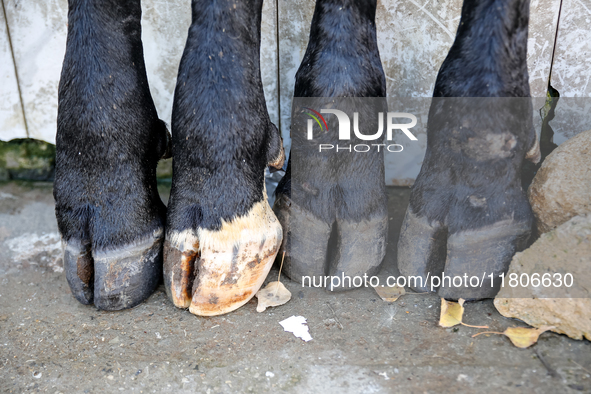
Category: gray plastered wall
[38,30]
[571,70]
[12,121]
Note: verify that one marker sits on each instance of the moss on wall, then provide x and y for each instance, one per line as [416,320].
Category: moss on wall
[34,160]
[27,159]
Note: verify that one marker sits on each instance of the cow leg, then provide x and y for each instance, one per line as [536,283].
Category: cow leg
[468,214]
[109,140]
[321,192]
[222,236]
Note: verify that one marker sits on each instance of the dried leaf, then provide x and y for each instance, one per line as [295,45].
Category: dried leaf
[390,294]
[451,313]
[521,337]
[525,337]
[274,294]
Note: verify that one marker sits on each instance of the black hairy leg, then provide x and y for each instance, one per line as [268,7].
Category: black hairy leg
[109,140]
[222,237]
[468,214]
[326,198]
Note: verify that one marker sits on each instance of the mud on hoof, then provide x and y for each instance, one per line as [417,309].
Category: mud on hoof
[215,272]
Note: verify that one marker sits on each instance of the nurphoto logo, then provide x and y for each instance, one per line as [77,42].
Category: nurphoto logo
[344,130]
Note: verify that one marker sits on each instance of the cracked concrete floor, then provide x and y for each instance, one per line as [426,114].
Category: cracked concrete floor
[51,343]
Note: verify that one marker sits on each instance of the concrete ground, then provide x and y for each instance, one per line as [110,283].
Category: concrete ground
[51,343]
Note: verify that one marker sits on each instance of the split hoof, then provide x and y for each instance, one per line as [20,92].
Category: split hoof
[114,279]
[305,240]
[478,256]
[359,249]
[213,272]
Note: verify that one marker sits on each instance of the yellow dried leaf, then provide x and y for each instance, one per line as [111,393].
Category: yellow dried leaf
[525,337]
[274,294]
[451,313]
[389,294]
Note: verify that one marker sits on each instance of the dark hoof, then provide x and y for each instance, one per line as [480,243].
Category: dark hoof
[421,250]
[485,254]
[108,143]
[335,219]
[305,240]
[114,279]
[79,267]
[359,249]
[474,258]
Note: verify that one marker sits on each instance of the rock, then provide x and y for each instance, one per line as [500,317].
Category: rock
[27,159]
[564,250]
[562,187]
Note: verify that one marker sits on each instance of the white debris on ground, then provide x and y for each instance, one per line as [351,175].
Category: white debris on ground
[45,248]
[297,326]
[6,196]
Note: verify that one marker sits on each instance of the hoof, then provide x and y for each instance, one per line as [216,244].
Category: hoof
[79,267]
[109,214]
[481,253]
[213,272]
[428,251]
[305,240]
[114,279]
[422,249]
[359,249]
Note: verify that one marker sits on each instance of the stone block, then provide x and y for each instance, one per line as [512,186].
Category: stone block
[561,188]
[564,250]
